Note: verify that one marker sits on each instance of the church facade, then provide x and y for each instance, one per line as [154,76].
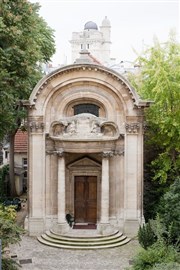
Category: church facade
[85,151]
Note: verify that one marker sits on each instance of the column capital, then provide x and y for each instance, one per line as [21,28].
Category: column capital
[132,128]
[37,127]
[107,154]
[36,124]
[60,153]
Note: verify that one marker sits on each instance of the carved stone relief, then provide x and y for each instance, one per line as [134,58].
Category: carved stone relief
[36,124]
[83,126]
[132,127]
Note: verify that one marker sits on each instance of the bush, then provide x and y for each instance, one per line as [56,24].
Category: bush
[146,236]
[169,212]
[167,266]
[9,264]
[9,231]
[156,254]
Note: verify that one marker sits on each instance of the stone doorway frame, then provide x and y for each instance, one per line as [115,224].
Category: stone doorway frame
[84,171]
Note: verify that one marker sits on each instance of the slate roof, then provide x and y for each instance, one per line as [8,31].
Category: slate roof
[21,140]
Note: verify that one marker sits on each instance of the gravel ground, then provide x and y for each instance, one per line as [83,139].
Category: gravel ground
[44,257]
[39,256]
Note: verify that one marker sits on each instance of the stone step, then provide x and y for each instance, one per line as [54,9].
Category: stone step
[82,243]
[68,242]
[84,237]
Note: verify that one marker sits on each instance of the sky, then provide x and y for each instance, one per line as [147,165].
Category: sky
[134,24]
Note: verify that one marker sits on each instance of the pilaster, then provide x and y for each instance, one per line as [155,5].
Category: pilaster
[133,177]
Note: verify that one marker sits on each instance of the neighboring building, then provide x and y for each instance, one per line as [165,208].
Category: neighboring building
[20,160]
[96,41]
[85,150]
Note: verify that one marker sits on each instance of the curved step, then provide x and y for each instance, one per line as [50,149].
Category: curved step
[79,243]
[69,242]
[83,238]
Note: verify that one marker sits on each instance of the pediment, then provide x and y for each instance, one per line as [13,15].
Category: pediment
[84,162]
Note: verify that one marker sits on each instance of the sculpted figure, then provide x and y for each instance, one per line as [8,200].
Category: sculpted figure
[96,128]
[71,128]
[57,130]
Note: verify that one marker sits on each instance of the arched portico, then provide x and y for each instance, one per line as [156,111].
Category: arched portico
[99,152]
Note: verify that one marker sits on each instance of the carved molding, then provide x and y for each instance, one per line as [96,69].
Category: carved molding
[107,154]
[36,126]
[59,153]
[132,128]
[83,126]
[119,152]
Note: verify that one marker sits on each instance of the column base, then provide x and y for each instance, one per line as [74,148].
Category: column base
[61,228]
[35,226]
[105,228]
[131,227]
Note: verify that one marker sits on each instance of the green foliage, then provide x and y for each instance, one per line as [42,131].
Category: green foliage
[159,80]
[9,264]
[25,42]
[156,254]
[9,231]
[169,212]
[153,191]
[4,171]
[167,266]
[146,236]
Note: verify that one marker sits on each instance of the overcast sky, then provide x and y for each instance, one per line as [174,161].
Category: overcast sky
[133,23]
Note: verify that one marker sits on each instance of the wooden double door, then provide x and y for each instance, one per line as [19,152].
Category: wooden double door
[85,199]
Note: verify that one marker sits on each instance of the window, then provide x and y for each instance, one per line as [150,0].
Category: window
[25,166]
[24,161]
[6,154]
[86,108]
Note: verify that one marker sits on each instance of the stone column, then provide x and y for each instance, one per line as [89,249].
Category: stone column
[105,189]
[61,188]
[61,225]
[104,226]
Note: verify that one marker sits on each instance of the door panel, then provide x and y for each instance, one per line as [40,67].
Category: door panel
[79,197]
[85,199]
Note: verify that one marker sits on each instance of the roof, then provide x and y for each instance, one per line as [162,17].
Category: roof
[90,26]
[94,60]
[20,142]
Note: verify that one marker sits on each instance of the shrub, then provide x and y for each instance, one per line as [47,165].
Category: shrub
[9,264]
[9,233]
[169,212]
[158,253]
[167,266]
[146,236]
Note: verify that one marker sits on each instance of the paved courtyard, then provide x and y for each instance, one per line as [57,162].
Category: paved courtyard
[35,256]
[44,257]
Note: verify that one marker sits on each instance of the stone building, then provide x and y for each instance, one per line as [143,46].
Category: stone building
[96,41]
[85,151]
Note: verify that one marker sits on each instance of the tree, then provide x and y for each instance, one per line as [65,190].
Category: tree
[159,80]
[26,41]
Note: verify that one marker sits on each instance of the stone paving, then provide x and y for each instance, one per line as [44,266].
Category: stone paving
[49,258]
